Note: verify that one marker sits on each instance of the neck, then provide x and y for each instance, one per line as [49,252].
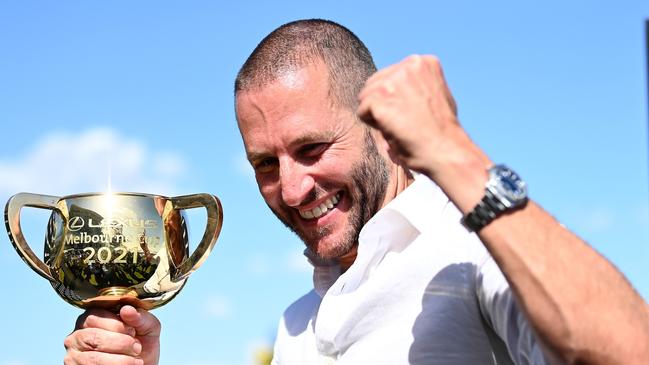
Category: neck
[402,179]
[348,259]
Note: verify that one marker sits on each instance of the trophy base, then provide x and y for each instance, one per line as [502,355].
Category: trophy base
[115,297]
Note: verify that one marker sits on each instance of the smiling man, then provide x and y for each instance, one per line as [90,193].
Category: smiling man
[425,267]
[402,288]
[317,166]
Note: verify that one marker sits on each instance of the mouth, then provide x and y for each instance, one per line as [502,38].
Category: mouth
[321,209]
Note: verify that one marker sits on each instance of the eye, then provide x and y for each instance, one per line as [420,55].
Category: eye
[265,165]
[313,149]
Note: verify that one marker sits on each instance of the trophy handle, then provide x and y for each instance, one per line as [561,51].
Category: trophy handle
[12,222]
[212,230]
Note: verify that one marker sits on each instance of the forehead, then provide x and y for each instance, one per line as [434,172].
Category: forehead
[295,106]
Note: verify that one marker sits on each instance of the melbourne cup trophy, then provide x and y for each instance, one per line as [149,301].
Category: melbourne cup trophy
[110,249]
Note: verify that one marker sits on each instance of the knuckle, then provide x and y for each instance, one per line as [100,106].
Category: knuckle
[414,59]
[94,358]
[90,321]
[154,320]
[382,117]
[431,63]
[80,323]
[68,343]
[431,59]
[157,324]
[91,339]
[89,318]
[68,359]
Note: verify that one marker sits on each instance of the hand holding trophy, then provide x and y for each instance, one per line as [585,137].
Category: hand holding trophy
[106,250]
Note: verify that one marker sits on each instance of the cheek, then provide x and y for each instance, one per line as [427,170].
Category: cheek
[333,167]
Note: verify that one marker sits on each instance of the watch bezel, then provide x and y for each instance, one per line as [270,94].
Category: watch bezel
[507,186]
[504,191]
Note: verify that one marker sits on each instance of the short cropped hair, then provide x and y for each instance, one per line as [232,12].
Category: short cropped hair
[301,43]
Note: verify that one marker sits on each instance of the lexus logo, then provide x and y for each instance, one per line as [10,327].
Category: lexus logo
[75,224]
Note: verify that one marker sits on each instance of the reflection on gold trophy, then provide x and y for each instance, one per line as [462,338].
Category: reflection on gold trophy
[107,250]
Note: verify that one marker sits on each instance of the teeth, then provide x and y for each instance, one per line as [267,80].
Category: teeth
[321,209]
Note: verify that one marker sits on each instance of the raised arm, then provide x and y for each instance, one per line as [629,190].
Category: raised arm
[580,305]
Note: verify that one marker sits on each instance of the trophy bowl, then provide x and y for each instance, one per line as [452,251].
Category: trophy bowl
[105,250]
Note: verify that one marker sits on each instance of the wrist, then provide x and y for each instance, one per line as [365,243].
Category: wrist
[460,169]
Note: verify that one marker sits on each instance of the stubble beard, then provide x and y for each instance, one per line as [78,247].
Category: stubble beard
[370,177]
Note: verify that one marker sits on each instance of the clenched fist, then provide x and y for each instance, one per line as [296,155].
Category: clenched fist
[410,103]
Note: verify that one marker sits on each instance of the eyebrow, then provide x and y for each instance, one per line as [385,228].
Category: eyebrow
[311,137]
[256,156]
[306,138]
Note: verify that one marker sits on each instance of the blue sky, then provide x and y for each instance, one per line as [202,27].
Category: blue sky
[143,89]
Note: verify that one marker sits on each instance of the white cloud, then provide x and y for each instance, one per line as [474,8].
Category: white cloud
[218,307]
[92,160]
[168,164]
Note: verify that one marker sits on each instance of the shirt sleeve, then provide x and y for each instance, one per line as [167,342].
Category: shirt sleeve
[503,315]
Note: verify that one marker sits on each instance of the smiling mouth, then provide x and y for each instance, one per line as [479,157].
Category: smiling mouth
[321,209]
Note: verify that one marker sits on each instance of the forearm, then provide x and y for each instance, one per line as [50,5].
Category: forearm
[578,303]
[576,300]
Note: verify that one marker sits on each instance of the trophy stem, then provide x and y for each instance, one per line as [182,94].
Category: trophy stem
[117,291]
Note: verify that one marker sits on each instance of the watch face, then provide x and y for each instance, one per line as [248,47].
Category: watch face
[505,184]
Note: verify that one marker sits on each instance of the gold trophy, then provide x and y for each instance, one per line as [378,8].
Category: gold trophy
[109,249]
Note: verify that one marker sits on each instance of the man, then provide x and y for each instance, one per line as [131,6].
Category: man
[400,275]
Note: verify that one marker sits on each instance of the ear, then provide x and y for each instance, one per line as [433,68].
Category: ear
[381,144]
[384,147]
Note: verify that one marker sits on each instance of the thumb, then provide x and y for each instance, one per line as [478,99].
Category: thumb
[144,323]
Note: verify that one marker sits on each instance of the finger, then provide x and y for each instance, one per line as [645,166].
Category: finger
[385,90]
[379,83]
[99,318]
[145,323]
[375,114]
[74,357]
[96,339]
[388,82]
[93,312]
[380,74]
[435,68]
[378,80]
[364,112]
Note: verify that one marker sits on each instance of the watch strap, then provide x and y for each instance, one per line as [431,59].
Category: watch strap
[487,209]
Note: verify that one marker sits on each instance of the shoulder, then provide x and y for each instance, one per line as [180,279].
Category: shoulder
[295,330]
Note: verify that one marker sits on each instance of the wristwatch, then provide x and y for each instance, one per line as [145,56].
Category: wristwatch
[505,191]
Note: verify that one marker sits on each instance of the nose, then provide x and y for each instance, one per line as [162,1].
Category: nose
[296,182]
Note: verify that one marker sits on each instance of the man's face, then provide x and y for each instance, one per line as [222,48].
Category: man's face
[317,166]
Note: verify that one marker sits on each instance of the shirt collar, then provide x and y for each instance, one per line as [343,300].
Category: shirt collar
[419,204]
[325,272]
[391,229]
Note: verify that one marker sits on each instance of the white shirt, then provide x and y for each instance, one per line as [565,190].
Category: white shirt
[422,290]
